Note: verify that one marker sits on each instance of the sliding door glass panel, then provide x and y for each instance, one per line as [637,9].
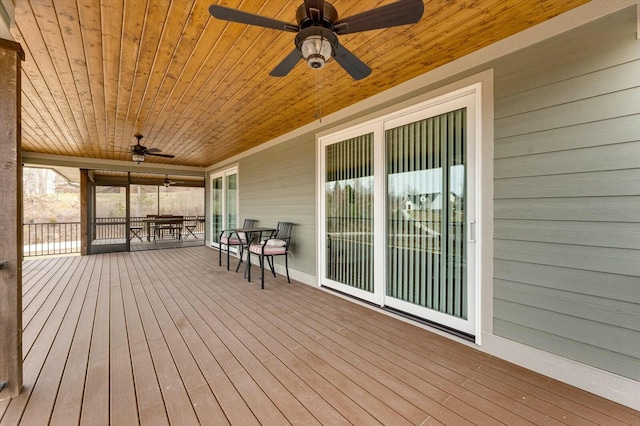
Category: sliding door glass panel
[349,212]
[426,250]
[230,200]
[216,208]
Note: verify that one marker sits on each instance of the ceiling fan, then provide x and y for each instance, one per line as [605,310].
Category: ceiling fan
[139,152]
[168,182]
[318,27]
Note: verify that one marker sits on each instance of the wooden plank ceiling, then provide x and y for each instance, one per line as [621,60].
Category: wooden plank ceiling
[97,72]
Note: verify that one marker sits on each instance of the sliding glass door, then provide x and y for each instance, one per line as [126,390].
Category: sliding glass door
[426,181]
[398,206]
[224,203]
[349,215]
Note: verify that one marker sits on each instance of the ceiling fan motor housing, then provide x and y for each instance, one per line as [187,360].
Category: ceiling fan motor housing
[329,16]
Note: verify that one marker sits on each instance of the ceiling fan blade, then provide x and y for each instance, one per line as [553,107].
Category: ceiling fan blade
[351,64]
[287,64]
[234,15]
[402,12]
[152,150]
[315,9]
[160,155]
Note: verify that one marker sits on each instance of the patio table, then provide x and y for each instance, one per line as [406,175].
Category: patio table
[167,223]
[252,233]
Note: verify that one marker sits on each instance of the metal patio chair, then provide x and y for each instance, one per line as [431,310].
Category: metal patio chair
[276,245]
[230,237]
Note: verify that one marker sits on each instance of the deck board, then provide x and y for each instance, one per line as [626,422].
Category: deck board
[168,337]
[95,401]
[148,393]
[122,402]
[68,404]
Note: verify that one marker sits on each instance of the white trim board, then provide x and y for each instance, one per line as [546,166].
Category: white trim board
[607,385]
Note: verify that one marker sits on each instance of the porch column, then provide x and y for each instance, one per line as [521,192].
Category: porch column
[84,212]
[11,248]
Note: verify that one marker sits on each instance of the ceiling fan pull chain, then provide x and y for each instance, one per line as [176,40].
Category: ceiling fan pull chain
[318,98]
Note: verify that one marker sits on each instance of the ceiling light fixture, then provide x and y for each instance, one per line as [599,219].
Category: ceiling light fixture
[137,158]
[317,46]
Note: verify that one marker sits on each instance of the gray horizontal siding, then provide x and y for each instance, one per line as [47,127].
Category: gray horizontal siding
[594,234]
[603,310]
[598,49]
[567,196]
[604,209]
[577,89]
[602,158]
[591,184]
[602,259]
[604,107]
[617,363]
[595,134]
[279,184]
[579,281]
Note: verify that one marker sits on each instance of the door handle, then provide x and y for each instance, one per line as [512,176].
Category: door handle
[472,231]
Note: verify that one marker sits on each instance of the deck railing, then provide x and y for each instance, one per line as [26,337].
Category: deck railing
[53,238]
[112,228]
[42,239]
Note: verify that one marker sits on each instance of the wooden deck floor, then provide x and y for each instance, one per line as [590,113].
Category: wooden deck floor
[168,337]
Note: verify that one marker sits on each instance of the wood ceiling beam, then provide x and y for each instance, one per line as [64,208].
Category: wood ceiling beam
[99,164]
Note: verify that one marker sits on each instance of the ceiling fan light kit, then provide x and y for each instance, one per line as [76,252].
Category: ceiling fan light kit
[137,158]
[316,45]
[318,27]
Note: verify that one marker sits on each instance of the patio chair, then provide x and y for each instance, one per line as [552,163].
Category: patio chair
[135,232]
[230,237]
[276,245]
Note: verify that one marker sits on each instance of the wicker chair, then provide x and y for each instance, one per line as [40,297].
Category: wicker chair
[276,245]
[230,238]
